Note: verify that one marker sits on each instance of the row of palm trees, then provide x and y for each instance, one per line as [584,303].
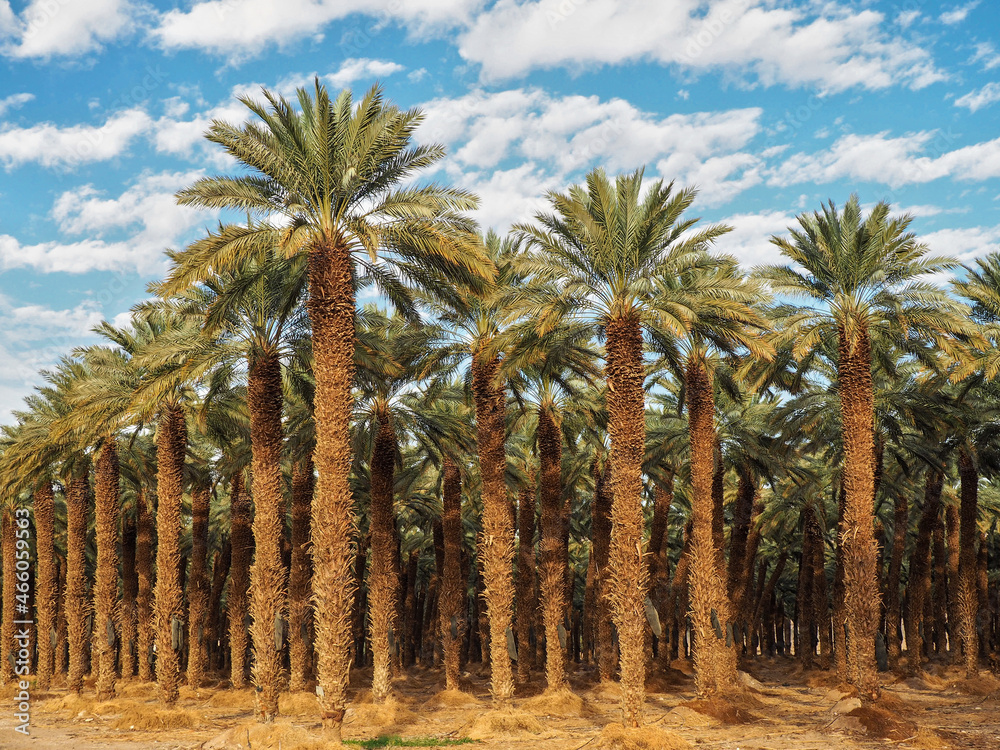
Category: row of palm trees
[512,366]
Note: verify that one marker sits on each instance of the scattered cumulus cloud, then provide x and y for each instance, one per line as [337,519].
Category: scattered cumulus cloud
[63,28]
[958,14]
[49,145]
[979,98]
[14,101]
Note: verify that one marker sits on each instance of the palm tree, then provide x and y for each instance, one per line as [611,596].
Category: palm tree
[331,171]
[862,275]
[253,314]
[597,257]
[45,604]
[707,309]
[541,370]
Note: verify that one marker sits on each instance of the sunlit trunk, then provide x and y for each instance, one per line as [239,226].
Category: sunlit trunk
[46,582]
[105,636]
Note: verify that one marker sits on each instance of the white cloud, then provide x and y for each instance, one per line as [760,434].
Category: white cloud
[987,55]
[351,70]
[825,45]
[52,146]
[979,98]
[511,146]
[958,14]
[52,28]
[964,243]
[146,214]
[14,101]
[909,159]
[243,28]
[750,240]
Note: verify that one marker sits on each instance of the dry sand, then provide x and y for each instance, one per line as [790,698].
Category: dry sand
[787,710]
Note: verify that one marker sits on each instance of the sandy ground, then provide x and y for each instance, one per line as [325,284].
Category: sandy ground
[788,710]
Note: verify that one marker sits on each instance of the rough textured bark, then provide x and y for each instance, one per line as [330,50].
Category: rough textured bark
[952,534]
[940,589]
[8,543]
[659,581]
[526,603]
[171,442]
[144,597]
[61,656]
[678,598]
[237,609]
[45,582]
[214,631]
[105,635]
[892,605]
[627,572]
[553,566]
[268,576]
[198,592]
[300,579]
[496,543]
[383,582]
[715,662]
[77,607]
[331,312]
[806,642]
[861,591]
[746,492]
[918,628]
[968,585]
[130,593]
[839,613]
[821,605]
[600,547]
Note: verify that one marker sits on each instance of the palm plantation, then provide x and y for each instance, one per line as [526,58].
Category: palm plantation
[592,450]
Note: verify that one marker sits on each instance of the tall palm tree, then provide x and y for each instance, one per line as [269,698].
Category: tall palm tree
[862,276]
[324,181]
[252,314]
[707,309]
[542,370]
[597,257]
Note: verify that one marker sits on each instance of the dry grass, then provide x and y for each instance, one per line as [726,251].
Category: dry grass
[453,699]
[879,722]
[146,717]
[607,691]
[617,737]
[71,704]
[726,710]
[562,703]
[506,724]
[267,736]
[137,689]
[392,713]
[980,685]
[298,704]
[233,699]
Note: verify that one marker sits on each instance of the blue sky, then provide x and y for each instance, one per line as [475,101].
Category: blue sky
[769,107]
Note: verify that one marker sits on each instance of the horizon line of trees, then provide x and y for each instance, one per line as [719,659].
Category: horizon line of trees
[593,439]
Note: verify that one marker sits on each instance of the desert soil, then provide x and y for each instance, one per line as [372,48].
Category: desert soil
[789,710]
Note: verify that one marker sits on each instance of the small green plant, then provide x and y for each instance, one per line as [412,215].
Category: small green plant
[397,741]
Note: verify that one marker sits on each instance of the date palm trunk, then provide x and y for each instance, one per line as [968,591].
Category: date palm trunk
[331,312]
[968,585]
[861,590]
[198,592]
[553,565]
[526,603]
[496,543]
[715,662]
[237,603]
[659,582]
[952,536]
[171,443]
[144,597]
[918,628]
[130,594]
[76,583]
[105,639]
[452,602]
[46,582]
[600,548]
[8,543]
[627,572]
[893,606]
[215,636]
[939,604]
[300,577]
[268,577]
[383,580]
